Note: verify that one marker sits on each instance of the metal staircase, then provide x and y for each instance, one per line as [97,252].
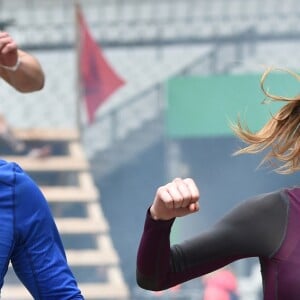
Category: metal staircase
[66,182]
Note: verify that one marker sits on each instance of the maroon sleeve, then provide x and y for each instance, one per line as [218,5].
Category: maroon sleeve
[253,228]
[154,249]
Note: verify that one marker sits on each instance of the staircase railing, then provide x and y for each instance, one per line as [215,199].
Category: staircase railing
[149,104]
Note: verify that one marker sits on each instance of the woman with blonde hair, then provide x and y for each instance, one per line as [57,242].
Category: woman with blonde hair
[265,226]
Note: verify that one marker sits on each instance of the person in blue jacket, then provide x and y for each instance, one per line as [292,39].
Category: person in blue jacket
[29,238]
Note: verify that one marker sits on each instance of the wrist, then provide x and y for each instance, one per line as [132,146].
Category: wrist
[12,68]
[153,214]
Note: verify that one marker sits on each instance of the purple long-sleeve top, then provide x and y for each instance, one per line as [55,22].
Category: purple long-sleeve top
[267,227]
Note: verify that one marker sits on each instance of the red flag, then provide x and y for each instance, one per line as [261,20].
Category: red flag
[97,78]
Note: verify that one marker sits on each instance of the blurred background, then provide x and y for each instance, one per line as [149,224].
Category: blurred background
[184,69]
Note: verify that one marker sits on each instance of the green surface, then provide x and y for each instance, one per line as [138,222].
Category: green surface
[203,106]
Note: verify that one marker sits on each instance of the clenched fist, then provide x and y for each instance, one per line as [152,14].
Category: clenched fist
[8,50]
[175,199]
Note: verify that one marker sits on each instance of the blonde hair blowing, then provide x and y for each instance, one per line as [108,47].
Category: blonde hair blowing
[280,135]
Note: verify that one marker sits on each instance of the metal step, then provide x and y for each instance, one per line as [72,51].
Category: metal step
[69,194]
[64,163]
[46,134]
[81,225]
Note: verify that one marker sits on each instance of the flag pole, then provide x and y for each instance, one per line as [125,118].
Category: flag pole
[96,79]
[77,68]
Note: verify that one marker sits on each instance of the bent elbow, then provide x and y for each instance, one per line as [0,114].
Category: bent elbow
[146,283]
[39,84]
[31,87]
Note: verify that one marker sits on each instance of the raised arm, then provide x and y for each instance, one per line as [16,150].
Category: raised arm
[254,228]
[18,68]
